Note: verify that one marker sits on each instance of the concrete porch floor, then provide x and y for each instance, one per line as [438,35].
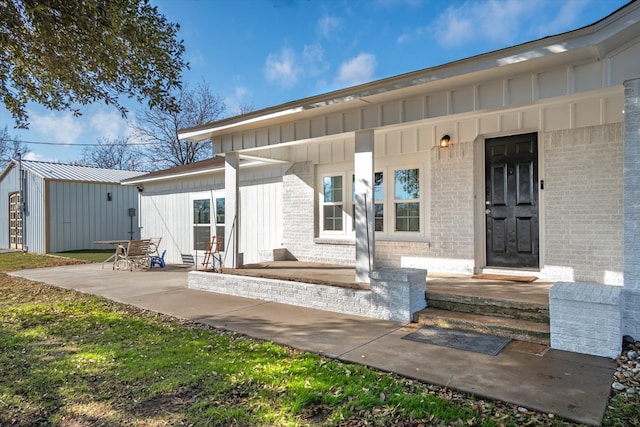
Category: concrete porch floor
[536,292]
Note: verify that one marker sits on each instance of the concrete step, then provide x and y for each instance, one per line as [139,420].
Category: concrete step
[534,312]
[523,330]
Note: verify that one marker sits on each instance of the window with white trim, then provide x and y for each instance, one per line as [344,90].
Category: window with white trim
[399,200]
[333,204]
[220,220]
[406,195]
[201,223]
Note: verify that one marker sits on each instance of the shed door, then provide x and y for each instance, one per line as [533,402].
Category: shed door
[511,177]
[15,222]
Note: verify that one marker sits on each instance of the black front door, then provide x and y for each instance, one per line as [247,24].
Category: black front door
[511,180]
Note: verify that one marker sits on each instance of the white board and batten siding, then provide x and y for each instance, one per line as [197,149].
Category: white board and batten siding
[166,210]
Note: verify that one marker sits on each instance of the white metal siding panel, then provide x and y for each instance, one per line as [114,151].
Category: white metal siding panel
[34,217]
[80,214]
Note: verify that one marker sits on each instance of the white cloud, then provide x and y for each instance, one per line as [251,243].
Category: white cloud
[357,70]
[281,68]
[327,25]
[314,60]
[56,127]
[33,156]
[107,124]
[494,20]
[239,97]
[564,18]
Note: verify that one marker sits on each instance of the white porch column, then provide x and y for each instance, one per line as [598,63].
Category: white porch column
[365,220]
[631,208]
[231,209]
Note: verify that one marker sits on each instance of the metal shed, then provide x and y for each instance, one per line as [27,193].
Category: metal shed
[53,207]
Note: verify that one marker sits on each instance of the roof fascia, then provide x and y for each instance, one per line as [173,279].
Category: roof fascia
[141,179]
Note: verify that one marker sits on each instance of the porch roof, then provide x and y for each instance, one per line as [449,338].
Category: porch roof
[587,43]
[195,168]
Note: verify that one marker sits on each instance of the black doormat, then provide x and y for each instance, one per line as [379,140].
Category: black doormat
[461,340]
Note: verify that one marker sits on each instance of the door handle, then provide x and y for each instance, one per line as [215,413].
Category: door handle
[487,211]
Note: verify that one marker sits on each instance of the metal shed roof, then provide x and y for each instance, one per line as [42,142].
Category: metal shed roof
[64,172]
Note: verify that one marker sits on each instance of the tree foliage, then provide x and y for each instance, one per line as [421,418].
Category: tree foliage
[10,147]
[65,53]
[113,154]
[158,129]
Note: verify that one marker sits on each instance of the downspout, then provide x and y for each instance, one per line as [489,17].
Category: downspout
[24,247]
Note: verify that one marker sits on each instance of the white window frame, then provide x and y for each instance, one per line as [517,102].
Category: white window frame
[212,196]
[195,225]
[386,166]
[346,203]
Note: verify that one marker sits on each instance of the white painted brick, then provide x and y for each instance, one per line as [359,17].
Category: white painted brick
[394,300]
[586,318]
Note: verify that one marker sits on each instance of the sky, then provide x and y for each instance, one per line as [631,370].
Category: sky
[269,52]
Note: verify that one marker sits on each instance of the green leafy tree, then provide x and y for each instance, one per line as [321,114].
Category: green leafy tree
[66,53]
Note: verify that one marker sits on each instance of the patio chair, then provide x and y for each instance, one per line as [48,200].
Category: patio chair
[154,245]
[212,254]
[136,254]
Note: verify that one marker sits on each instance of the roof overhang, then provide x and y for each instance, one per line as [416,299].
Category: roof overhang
[246,161]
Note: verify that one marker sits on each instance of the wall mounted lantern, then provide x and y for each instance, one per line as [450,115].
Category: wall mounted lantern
[445,141]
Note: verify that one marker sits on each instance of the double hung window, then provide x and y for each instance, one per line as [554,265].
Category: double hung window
[201,223]
[398,202]
[332,205]
[407,199]
[204,222]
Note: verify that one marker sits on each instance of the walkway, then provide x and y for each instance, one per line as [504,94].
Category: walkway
[571,385]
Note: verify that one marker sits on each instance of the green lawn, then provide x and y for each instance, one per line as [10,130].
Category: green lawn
[88,255]
[74,359]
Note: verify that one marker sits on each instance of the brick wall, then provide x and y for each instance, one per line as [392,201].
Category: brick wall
[586,318]
[452,202]
[583,204]
[631,306]
[300,218]
[396,294]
